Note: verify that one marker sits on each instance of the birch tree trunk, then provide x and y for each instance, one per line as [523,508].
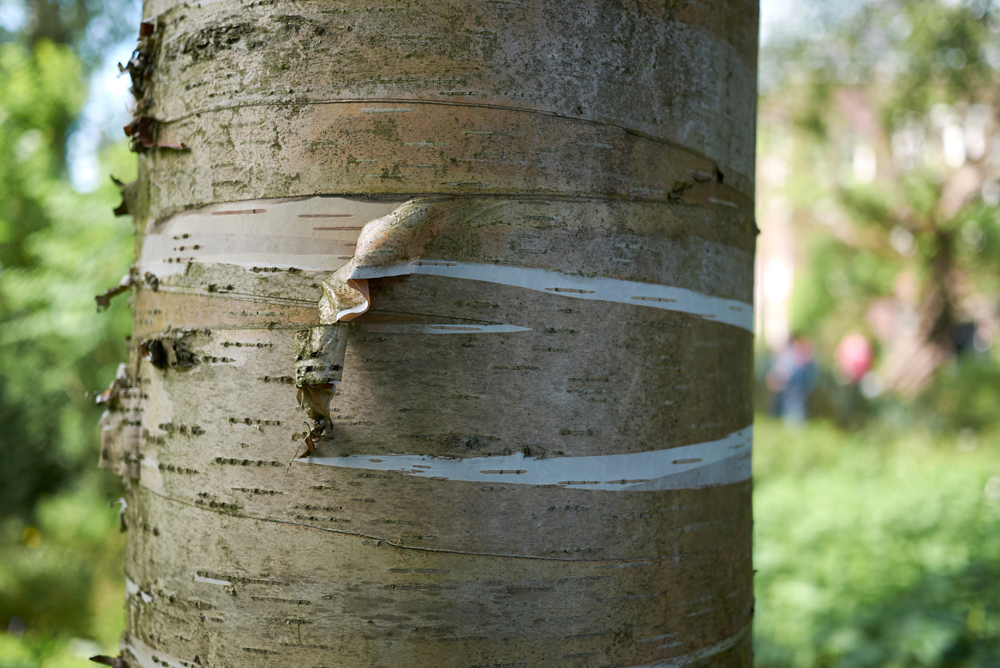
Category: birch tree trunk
[443,334]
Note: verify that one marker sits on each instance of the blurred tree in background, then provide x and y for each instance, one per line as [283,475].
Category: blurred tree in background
[60,552]
[58,248]
[878,200]
[89,27]
[881,135]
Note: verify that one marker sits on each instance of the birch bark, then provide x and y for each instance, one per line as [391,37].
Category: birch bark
[442,350]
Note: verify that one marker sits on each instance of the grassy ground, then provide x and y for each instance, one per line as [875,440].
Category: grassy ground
[876,549]
[873,550]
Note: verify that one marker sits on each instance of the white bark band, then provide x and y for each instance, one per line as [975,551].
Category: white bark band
[720,462]
[321,234]
[312,234]
[701,654]
[144,656]
[728,311]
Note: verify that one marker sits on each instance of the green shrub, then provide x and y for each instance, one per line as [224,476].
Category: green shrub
[875,549]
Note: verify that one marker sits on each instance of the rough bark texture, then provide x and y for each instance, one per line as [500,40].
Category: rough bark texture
[442,348]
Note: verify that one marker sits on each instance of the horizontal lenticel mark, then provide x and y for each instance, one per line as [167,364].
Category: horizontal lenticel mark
[657,299]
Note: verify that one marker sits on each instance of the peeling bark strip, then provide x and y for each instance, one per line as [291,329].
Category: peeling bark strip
[346,293]
[316,475]
[104,300]
[718,462]
[451,237]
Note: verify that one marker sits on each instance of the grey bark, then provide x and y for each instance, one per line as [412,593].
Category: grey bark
[442,347]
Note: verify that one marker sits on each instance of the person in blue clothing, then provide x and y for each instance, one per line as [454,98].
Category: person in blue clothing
[792,378]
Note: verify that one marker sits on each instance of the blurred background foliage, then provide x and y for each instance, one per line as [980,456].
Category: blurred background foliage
[877,534]
[878,548]
[61,585]
[879,184]
[877,519]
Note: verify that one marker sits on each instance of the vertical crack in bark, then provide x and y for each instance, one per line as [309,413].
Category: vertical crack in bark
[319,364]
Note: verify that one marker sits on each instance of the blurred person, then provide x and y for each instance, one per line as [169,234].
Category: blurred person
[792,379]
[854,356]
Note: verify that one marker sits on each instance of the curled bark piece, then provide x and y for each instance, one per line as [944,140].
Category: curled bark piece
[140,68]
[473,239]
[314,400]
[142,130]
[344,298]
[384,241]
[122,525]
[121,381]
[104,300]
[129,192]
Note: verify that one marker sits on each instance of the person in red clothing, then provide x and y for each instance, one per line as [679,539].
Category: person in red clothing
[854,357]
